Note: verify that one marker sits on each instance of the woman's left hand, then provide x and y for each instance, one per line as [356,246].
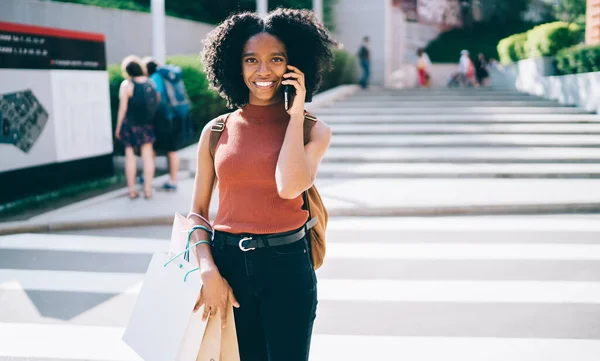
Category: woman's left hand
[296,78]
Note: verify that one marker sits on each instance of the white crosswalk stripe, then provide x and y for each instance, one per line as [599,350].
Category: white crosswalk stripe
[94,333]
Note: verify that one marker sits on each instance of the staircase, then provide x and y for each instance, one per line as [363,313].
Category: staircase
[474,150]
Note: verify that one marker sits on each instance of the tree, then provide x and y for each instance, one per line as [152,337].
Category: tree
[511,11]
[568,10]
[210,11]
[213,12]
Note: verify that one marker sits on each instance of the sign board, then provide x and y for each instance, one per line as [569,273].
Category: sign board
[54,96]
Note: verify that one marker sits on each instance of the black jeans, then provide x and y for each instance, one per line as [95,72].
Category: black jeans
[277,291]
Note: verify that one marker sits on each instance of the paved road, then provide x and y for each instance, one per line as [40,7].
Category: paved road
[470,289]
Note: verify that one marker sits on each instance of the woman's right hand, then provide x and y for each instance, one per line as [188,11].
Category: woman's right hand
[118,133]
[215,295]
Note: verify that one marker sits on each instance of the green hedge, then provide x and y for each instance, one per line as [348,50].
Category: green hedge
[512,49]
[344,71]
[207,104]
[548,39]
[541,41]
[578,59]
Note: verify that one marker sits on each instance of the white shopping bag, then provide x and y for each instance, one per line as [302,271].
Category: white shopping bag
[179,237]
[163,326]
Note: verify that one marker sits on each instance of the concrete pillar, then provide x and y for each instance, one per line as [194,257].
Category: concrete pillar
[159,47]
[592,29]
[318,9]
[262,8]
[388,37]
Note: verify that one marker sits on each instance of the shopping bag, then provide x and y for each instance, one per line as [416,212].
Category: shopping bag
[163,326]
[179,237]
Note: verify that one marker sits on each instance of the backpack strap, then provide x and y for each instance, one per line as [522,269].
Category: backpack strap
[309,122]
[216,131]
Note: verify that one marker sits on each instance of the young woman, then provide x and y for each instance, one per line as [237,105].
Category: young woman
[138,100]
[259,259]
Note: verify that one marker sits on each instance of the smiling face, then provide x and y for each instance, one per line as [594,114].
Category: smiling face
[264,61]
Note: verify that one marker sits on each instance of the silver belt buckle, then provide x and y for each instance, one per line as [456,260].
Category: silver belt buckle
[241,244]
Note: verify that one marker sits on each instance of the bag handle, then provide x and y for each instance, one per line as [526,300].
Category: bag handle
[195,227]
[188,248]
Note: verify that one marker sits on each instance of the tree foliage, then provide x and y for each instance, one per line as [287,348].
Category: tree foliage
[210,11]
[568,10]
[510,11]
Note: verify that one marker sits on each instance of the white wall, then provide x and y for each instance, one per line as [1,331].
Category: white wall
[531,76]
[578,89]
[525,75]
[398,38]
[358,18]
[127,32]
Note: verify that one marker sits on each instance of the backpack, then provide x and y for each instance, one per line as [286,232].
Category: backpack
[317,213]
[143,104]
[177,97]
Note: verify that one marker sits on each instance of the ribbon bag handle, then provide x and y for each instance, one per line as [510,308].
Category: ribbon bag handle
[186,252]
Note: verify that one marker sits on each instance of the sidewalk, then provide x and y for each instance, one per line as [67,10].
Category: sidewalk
[347,197]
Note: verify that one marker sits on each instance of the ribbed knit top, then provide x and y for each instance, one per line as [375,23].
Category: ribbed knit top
[245,161]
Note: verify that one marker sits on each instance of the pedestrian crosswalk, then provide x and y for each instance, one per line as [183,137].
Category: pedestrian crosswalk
[424,289]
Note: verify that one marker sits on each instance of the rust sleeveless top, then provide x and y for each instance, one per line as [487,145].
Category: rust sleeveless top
[245,161]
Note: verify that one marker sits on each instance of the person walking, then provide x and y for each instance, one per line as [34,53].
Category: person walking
[173,114]
[481,70]
[259,258]
[364,56]
[466,70]
[138,102]
[423,68]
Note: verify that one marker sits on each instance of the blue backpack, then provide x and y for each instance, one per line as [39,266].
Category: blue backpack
[177,98]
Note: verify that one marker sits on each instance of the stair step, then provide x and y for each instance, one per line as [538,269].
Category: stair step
[442,98]
[415,128]
[375,91]
[491,140]
[462,155]
[446,170]
[335,119]
[434,110]
[457,196]
[444,103]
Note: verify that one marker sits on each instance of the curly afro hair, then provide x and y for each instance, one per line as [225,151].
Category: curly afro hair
[307,42]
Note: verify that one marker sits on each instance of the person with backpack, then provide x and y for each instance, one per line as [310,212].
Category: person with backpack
[173,122]
[138,103]
[267,238]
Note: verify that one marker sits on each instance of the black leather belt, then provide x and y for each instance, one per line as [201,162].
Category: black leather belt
[250,242]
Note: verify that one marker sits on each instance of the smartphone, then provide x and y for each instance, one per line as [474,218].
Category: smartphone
[288,94]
